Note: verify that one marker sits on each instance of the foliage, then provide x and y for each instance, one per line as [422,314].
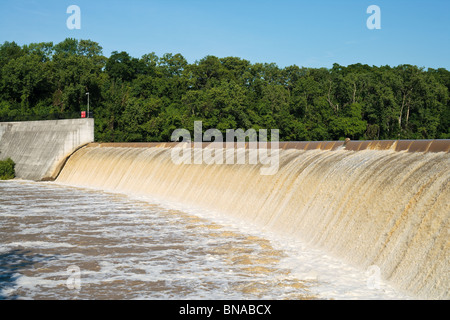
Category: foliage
[7,171]
[145,99]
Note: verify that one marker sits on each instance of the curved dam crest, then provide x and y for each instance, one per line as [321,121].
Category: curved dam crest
[369,203]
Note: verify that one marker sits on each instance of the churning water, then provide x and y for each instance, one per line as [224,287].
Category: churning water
[62,242]
[381,210]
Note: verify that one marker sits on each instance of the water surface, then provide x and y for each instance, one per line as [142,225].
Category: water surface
[128,248]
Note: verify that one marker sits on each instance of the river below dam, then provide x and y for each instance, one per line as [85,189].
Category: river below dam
[64,242]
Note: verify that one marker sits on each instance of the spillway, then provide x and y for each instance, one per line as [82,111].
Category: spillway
[382,203]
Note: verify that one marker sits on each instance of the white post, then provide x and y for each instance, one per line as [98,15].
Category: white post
[88,105]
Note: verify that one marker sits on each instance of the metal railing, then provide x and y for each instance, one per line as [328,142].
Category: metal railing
[43,117]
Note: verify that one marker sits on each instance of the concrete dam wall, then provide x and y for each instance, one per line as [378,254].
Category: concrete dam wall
[369,203]
[39,148]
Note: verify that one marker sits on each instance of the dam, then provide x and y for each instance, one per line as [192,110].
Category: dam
[39,148]
[374,205]
[370,203]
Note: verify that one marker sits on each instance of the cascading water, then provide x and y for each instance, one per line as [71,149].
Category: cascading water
[372,207]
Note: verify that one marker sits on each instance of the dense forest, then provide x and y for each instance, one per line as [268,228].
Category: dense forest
[147,98]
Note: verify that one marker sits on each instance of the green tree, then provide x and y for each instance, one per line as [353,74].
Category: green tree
[146,98]
[7,169]
[123,66]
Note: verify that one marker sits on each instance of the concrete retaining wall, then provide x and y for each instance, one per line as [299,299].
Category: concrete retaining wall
[39,148]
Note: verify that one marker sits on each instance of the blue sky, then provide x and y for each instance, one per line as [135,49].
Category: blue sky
[287,32]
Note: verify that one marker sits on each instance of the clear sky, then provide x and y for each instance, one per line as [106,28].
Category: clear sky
[287,32]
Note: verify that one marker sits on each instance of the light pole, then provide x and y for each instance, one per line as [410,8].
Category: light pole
[88,104]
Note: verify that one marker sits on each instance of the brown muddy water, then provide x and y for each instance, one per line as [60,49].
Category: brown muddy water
[61,242]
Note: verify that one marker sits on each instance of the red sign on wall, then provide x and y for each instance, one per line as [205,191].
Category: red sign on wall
[83,114]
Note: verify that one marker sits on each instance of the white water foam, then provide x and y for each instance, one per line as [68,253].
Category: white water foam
[158,250]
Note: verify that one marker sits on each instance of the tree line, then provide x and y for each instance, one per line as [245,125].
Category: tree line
[145,99]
